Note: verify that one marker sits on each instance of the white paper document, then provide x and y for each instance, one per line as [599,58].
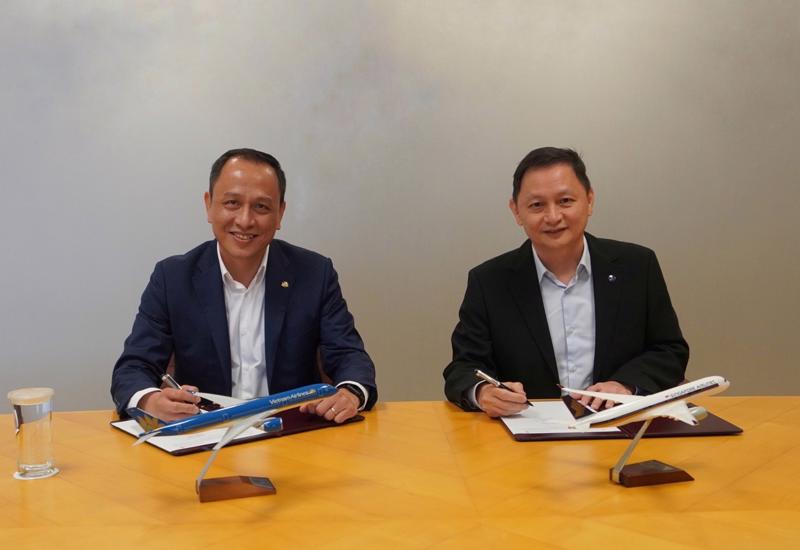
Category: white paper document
[173,443]
[546,417]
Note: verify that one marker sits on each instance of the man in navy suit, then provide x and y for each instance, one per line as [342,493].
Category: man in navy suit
[566,307]
[245,314]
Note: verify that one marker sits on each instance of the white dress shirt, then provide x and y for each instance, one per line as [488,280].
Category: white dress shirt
[244,307]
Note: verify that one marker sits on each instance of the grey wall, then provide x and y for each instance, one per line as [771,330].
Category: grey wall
[399,124]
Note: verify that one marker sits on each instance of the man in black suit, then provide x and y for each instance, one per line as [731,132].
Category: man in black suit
[566,307]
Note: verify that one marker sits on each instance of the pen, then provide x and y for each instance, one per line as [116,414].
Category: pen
[485,377]
[204,403]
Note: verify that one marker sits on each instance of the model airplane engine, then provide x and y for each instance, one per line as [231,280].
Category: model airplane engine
[272,424]
[699,413]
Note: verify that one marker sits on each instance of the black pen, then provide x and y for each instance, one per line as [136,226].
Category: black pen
[485,377]
[205,404]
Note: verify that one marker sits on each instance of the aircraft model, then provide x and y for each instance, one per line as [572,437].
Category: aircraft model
[669,403]
[251,413]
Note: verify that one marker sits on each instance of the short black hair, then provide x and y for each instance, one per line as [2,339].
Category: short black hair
[548,156]
[253,156]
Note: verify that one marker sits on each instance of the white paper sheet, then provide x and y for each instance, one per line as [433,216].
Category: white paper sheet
[546,417]
[172,443]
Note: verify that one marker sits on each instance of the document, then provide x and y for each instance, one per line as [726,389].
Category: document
[197,441]
[548,417]
[187,443]
[549,421]
[293,422]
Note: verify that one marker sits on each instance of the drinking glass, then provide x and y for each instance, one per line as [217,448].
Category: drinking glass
[32,408]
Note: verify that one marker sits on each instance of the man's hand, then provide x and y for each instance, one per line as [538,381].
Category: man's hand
[496,401]
[606,387]
[170,404]
[339,407]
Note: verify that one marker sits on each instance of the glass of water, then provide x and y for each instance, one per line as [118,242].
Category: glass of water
[33,409]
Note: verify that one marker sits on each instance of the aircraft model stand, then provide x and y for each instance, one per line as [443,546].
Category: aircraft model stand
[670,403]
[224,488]
[650,472]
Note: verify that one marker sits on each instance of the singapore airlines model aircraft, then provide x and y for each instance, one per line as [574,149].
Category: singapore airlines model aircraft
[250,413]
[669,403]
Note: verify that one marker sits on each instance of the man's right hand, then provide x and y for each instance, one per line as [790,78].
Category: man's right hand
[170,404]
[496,401]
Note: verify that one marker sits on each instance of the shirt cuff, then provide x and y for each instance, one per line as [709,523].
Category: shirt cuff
[472,395]
[134,402]
[362,389]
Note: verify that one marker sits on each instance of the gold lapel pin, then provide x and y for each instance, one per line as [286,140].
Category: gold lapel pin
[285,284]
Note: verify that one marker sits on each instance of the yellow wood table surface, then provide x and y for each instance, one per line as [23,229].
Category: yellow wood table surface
[414,475]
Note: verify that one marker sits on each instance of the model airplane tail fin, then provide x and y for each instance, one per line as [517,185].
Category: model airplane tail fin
[147,421]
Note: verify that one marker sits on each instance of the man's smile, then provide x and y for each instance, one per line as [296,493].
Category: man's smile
[243,236]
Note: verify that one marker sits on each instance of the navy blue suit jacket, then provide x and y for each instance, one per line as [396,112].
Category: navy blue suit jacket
[182,316]
[503,330]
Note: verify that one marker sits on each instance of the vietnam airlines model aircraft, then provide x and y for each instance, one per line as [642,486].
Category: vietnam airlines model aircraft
[251,413]
[669,403]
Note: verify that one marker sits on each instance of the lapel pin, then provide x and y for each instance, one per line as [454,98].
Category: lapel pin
[285,284]
[612,278]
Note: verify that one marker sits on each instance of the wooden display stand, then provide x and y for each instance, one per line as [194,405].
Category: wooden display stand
[650,472]
[224,488]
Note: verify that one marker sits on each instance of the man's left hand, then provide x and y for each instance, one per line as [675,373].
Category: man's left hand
[605,387]
[338,407]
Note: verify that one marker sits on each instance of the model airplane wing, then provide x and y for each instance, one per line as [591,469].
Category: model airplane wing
[269,425]
[616,397]
[677,410]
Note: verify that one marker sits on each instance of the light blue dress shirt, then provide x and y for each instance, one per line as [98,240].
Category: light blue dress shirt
[569,308]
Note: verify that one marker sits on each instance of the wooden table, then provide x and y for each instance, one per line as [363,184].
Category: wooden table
[414,475]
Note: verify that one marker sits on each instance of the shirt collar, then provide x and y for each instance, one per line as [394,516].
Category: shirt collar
[585,263]
[229,280]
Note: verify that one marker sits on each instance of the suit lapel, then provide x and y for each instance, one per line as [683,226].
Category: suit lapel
[607,279]
[207,280]
[524,286]
[278,284]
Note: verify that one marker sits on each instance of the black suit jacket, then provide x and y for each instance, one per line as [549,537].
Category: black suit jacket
[182,315]
[502,327]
